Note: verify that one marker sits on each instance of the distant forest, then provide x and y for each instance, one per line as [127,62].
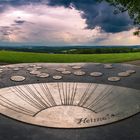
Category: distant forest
[73,49]
[102,50]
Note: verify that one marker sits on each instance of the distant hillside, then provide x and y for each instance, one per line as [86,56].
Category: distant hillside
[73,49]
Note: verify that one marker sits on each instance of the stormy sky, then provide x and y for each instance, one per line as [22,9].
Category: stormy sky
[64,22]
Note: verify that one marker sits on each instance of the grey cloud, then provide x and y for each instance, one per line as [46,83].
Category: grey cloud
[95,13]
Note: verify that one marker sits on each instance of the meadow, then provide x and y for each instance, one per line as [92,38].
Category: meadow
[28,57]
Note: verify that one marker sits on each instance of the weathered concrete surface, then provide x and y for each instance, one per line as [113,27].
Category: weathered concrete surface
[128,129]
[137,62]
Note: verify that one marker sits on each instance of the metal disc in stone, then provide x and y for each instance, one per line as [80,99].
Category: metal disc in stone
[114,79]
[66,72]
[31,69]
[38,67]
[60,69]
[32,65]
[43,75]
[57,77]
[124,74]
[35,72]
[17,78]
[69,105]
[77,67]
[16,69]
[96,74]
[131,71]
[79,73]
[108,66]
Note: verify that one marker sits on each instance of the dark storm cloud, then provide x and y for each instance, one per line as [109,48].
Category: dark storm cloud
[95,13]
[98,14]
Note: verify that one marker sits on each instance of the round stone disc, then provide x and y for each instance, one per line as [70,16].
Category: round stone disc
[16,69]
[96,74]
[66,72]
[108,67]
[43,75]
[38,67]
[124,74]
[35,72]
[31,69]
[60,69]
[57,77]
[114,79]
[69,105]
[131,71]
[17,78]
[79,73]
[76,67]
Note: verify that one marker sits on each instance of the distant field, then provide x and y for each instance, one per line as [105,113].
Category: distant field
[24,57]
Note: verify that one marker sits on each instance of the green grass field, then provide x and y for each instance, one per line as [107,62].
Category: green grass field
[24,57]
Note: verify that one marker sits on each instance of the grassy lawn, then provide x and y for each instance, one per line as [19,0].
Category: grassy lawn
[24,57]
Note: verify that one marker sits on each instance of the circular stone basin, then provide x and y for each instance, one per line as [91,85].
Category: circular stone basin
[69,105]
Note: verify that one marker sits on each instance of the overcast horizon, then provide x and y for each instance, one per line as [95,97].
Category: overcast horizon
[64,23]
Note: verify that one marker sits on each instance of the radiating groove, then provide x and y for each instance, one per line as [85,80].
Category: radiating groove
[49,95]
[98,97]
[41,97]
[90,94]
[106,106]
[23,94]
[16,107]
[68,93]
[74,93]
[27,100]
[16,110]
[84,95]
[59,91]
[101,98]
[45,99]
[63,93]
[35,96]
